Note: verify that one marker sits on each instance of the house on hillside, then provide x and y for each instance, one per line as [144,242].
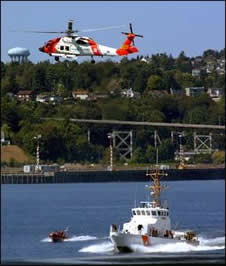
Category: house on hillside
[215,93]
[3,140]
[129,93]
[194,91]
[25,95]
[177,92]
[157,93]
[98,96]
[54,99]
[80,95]
[42,98]
[196,72]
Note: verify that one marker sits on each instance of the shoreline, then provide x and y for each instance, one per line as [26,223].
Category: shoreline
[91,176]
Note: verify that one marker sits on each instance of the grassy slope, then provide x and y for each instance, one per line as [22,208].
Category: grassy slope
[9,152]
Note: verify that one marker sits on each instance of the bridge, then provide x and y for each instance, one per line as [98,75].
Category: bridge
[123,140]
[135,123]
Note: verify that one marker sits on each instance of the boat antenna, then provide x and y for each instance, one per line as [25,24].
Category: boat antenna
[157,156]
[156,175]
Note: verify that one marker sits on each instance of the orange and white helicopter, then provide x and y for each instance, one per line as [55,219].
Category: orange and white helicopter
[72,45]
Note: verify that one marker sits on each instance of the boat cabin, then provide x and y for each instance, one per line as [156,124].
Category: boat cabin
[147,208]
[147,219]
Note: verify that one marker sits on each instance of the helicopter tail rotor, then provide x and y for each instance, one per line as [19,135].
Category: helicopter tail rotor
[131,32]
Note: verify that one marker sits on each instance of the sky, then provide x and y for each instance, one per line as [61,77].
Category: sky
[168,26]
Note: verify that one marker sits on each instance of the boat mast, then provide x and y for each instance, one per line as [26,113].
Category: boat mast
[156,188]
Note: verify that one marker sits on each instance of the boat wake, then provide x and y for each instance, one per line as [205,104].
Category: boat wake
[104,247]
[73,238]
[205,245]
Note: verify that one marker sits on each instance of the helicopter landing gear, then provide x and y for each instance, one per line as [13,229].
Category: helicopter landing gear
[92,60]
[57,58]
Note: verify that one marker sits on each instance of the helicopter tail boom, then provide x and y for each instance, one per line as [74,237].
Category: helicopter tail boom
[126,47]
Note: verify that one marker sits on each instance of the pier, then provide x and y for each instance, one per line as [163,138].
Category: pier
[28,178]
[92,176]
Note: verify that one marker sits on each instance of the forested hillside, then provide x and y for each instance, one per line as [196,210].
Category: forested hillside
[158,84]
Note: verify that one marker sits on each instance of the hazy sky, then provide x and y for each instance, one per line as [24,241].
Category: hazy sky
[168,26]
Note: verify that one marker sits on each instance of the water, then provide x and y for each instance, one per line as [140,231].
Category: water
[31,212]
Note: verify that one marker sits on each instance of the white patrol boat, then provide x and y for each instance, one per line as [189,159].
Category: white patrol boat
[150,223]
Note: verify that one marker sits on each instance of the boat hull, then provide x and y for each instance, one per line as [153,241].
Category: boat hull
[57,237]
[125,242]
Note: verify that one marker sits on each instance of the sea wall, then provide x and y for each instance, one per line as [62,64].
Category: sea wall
[111,176]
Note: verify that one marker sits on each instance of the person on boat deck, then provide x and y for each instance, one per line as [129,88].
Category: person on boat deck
[154,232]
[139,228]
[166,233]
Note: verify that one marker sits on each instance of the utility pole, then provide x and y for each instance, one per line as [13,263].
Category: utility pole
[181,165]
[37,152]
[111,152]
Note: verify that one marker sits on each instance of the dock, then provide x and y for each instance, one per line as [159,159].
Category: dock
[91,176]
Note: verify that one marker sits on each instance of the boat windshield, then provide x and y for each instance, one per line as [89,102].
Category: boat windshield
[145,204]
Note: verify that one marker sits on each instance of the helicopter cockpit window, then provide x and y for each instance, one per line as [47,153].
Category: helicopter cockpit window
[81,41]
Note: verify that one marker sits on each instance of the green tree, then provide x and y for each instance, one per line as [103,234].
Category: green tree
[183,63]
[39,79]
[140,81]
[150,154]
[138,156]
[218,157]
[166,151]
[154,83]
[197,115]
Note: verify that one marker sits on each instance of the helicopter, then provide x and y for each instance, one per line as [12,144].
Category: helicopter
[73,45]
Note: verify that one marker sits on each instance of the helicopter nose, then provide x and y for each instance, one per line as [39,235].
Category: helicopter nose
[41,49]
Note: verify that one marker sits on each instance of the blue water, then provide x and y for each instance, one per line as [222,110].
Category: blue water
[30,212]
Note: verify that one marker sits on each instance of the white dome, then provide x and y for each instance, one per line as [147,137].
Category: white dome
[19,51]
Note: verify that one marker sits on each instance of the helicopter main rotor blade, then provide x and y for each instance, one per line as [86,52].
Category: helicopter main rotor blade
[35,31]
[104,28]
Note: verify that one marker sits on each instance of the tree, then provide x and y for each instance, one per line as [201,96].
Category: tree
[150,154]
[218,157]
[9,113]
[138,156]
[7,131]
[154,82]
[210,52]
[166,150]
[183,63]
[140,81]
[169,81]
[197,115]
[128,74]
[39,79]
